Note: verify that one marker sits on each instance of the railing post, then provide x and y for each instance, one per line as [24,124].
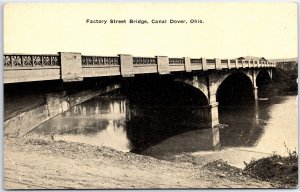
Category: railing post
[218,64]
[204,65]
[187,64]
[71,67]
[163,65]
[126,65]
[228,64]
[236,64]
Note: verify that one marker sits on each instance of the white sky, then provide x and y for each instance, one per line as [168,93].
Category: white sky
[230,29]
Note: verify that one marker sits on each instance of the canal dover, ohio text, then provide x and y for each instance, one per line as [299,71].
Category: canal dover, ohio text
[143,21]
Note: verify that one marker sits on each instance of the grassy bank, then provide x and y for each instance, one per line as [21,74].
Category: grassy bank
[282,171]
[279,171]
[285,79]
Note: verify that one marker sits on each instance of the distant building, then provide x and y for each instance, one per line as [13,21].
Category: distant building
[252,59]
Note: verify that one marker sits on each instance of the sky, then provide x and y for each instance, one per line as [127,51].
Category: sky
[229,30]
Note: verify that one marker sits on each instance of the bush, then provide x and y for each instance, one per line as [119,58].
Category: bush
[278,169]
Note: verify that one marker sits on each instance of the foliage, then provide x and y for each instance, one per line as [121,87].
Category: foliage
[276,168]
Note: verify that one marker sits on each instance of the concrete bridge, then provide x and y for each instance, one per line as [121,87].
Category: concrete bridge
[201,74]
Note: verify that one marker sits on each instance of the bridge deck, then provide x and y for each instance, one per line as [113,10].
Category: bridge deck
[75,67]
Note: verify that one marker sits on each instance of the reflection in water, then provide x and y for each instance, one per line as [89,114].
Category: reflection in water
[100,121]
[246,125]
[281,132]
[151,125]
[264,126]
[190,141]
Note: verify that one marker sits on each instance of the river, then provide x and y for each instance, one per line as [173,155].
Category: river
[253,130]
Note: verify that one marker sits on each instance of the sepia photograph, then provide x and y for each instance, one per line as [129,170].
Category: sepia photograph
[150,95]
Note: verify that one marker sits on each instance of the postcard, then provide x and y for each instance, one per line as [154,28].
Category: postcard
[140,95]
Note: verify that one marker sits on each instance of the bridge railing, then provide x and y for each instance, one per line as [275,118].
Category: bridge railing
[74,66]
[174,61]
[96,61]
[144,61]
[210,61]
[16,61]
[196,61]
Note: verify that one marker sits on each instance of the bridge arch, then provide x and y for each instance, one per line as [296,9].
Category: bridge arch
[235,87]
[263,76]
[263,83]
[196,82]
[223,77]
[161,107]
[198,92]
[267,72]
[165,90]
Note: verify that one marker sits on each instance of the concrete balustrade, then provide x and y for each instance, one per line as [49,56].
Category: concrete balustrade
[70,66]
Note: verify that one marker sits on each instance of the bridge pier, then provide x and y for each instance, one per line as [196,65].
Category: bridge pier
[214,120]
[207,85]
[254,74]
[212,87]
[255,93]
[214,114]
[253,79]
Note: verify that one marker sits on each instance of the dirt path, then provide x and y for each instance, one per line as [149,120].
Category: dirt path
[38,164]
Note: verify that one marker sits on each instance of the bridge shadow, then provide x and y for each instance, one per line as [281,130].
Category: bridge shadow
[160,108]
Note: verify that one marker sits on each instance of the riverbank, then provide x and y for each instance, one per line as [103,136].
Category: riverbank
[46,164]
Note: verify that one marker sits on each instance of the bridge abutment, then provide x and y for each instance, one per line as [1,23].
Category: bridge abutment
[55,103]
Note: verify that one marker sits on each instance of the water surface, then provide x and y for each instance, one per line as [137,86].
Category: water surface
[254,129]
